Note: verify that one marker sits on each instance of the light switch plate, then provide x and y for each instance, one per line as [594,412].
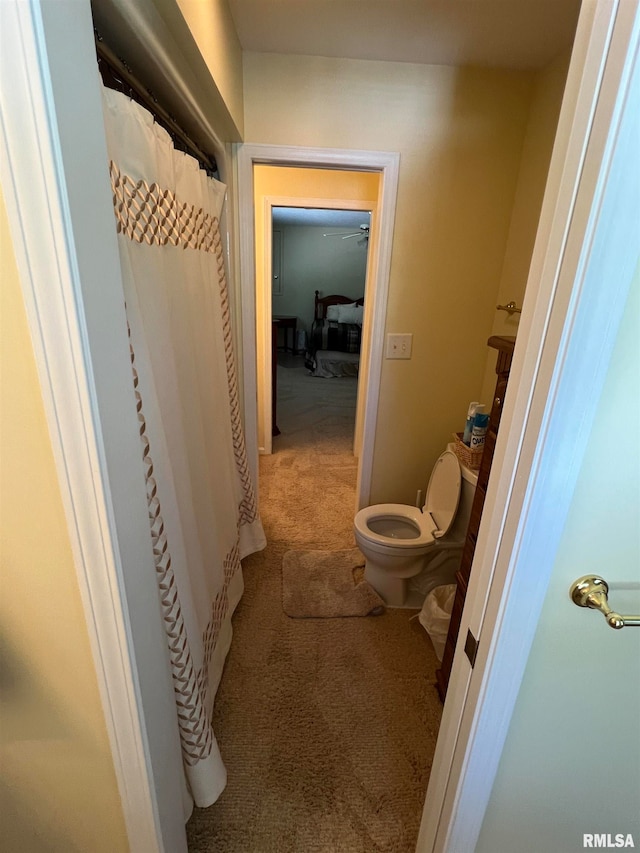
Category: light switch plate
[399,346]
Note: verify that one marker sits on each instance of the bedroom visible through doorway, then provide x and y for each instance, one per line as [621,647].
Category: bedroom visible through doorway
[318,277]
[298,187]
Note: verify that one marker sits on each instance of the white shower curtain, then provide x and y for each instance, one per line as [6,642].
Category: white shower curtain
[202,507]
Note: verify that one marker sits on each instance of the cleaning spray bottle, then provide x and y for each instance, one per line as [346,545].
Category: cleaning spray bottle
[468,427]
[479,430]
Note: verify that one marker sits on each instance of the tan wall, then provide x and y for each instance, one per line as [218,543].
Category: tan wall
[459,133]
[536,155]
[59,789]
[214,31]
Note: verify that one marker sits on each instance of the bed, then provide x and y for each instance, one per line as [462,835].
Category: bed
[336,333]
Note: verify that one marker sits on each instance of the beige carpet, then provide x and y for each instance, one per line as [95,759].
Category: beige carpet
[326,585]
[327,727]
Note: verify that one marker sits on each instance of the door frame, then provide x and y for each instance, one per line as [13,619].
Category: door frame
[264,310]
[566,336]
[379,264]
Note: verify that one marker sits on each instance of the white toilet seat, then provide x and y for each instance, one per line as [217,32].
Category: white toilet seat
[405,516]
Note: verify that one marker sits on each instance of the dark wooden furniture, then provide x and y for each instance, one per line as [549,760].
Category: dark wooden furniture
[504,345]
[286,322]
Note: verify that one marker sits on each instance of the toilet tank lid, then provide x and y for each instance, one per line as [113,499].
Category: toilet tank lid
[443,491]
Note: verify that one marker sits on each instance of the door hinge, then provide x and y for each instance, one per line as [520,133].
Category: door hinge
[471,648]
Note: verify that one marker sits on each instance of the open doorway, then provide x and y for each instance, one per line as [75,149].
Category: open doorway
[322,178]
[342,190]
[318,278]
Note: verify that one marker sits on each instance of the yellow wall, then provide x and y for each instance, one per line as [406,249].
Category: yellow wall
[214,31]
[289,182]
[536,155]
[59,789]
[459,133]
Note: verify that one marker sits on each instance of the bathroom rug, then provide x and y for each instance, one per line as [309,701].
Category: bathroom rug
[327,584]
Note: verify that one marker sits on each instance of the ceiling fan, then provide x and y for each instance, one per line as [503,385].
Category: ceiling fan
[363,233]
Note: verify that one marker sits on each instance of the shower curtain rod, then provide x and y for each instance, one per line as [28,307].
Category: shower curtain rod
[117,75]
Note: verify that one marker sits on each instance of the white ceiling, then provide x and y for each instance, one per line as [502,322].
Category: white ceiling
[343,219]
[496,33]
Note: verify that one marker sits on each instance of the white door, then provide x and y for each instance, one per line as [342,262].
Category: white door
[570,766]
[540,743]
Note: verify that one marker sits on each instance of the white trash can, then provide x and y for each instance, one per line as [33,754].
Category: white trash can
[436,615]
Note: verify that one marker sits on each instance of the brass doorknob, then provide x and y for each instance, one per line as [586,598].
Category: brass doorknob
[593,591]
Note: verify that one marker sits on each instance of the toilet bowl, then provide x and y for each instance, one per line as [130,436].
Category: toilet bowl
[400,541]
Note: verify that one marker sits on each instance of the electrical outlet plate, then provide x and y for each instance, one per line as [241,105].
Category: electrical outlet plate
[399,346]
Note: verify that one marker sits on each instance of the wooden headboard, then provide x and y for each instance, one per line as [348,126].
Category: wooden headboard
[323,303]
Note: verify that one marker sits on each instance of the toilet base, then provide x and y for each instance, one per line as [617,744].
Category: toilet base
[391,588]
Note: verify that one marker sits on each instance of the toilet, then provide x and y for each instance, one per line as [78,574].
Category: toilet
[400,542]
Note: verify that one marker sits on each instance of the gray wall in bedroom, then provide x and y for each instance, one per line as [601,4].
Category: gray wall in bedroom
[313,262]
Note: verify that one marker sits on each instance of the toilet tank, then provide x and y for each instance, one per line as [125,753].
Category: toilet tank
[458,529]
